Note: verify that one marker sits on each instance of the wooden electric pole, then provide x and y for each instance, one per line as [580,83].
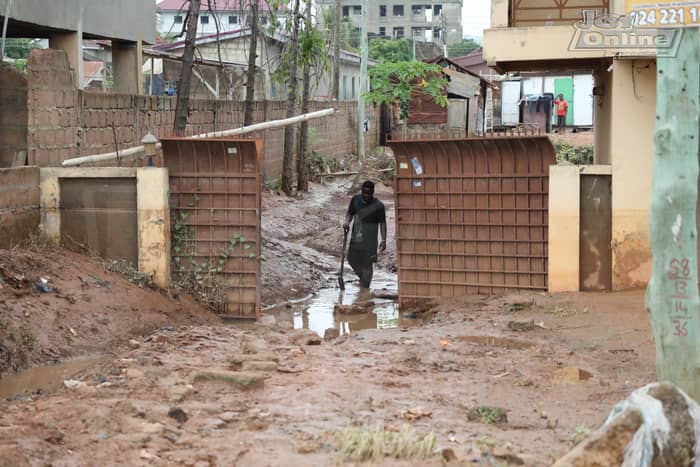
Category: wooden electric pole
[364,53]
[337,18]
[672,295]
[249,107]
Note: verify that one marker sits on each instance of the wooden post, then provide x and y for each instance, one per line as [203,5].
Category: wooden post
[672,295]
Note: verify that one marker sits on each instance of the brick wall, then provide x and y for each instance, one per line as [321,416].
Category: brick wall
[19,204]
[13,115]
[65,123]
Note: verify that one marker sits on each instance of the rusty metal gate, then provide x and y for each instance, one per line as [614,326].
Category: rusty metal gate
[215,202]
[471,216]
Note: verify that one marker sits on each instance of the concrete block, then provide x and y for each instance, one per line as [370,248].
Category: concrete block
[564,228]
[154,223]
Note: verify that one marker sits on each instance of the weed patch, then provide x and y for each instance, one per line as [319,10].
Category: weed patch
[362,444]
[487,414]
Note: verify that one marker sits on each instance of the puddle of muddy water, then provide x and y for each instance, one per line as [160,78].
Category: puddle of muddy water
[317,313]
[43,379]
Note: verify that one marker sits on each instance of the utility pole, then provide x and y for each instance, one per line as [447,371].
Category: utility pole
[672,295]
[248,111]
[443,28]
[335,89]
[364,52]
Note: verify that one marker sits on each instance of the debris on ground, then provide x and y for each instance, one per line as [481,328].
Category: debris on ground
[487,414]
[415,413]
[378,167]
[521,326]
[655,425]
[520,305]
[569,375]
[385,295]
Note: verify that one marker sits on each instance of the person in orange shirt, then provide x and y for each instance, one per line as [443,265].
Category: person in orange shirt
[562,108]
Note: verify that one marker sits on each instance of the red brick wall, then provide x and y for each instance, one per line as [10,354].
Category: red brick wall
[19,204]
[13,114]
[64,123]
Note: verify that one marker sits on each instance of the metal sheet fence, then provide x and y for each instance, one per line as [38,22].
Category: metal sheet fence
[471,216]
[215,199]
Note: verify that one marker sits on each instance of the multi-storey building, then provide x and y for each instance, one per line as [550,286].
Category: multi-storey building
[422,20]
[224,16]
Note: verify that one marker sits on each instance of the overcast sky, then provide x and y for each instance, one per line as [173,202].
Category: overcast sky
[476,16]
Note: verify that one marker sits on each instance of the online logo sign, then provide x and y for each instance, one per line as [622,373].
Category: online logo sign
[621,35]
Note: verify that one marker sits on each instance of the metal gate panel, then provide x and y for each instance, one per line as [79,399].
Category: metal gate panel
[215,193]
[471,216]
[100,215]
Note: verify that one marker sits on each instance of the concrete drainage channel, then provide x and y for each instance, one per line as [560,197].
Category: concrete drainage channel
[321,312]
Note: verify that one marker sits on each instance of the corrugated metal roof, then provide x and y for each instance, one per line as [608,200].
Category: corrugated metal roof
[217,5]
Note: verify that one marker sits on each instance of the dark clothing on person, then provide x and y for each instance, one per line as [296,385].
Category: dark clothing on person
[362,251]
[561,121]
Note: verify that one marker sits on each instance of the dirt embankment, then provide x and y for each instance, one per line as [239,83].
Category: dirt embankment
[302,239]
[83,309]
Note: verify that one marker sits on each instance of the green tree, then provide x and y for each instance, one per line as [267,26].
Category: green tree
[19,48]
[390,50]
[393,83]
[462,48]
[349,33]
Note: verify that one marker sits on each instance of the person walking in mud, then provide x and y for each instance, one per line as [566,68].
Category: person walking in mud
[368,218]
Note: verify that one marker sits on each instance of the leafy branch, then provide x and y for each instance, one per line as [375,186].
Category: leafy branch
[399,81]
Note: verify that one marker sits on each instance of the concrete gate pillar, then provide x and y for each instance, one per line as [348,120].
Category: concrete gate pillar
[72,44]
[127,60]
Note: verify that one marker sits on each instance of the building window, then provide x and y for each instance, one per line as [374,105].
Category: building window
[437,33]
[353,87]
[357,10]
[382,31]
[398,32]
[417,10]
[437,9]
[233,19]
[382,10]
[346,11]
[204,19]
[398,10]
[178,19]
[345,88]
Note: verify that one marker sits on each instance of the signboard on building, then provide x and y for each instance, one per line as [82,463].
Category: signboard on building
[664,13]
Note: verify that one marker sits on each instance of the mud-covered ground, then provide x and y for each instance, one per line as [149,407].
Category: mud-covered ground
[554,365]
[496,380]
[82,310]
[302,239]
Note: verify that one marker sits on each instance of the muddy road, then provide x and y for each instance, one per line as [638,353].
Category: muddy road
[302,240]
[269,395]
[513,380]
